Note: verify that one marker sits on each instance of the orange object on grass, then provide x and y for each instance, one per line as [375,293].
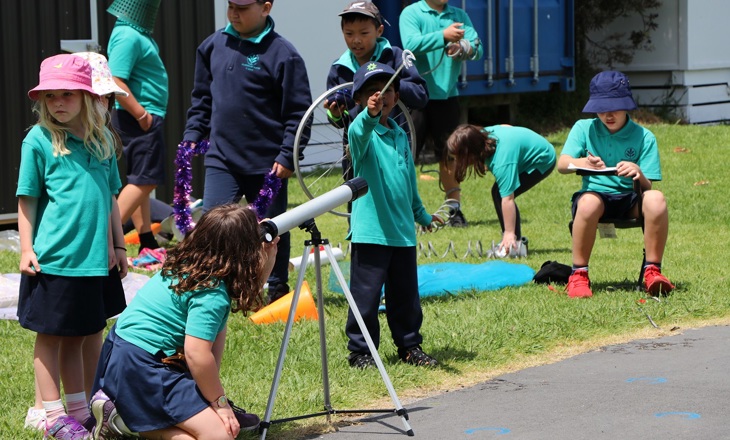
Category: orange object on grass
[132,237]
[279,309]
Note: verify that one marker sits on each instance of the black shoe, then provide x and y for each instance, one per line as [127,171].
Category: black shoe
[247,421]
[458,220]
[416,356]
[277,291]
[361,360]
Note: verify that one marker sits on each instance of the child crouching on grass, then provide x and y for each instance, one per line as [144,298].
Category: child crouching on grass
[184,310]
[382,229]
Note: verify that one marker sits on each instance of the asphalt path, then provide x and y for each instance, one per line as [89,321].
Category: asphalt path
[674,387]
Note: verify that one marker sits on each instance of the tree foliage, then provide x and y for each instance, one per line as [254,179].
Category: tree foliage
[617,47]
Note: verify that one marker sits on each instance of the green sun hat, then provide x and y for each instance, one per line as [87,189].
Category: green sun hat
[141,13]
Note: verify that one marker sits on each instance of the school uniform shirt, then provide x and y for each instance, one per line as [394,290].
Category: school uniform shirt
[412,90]
[249,97]
[135,57]
[422,31]
[381,155]
[633,143]
[74,204]
[158,319]
[519,150]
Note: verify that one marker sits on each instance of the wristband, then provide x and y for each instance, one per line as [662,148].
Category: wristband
[332,117]
[144,115]
[121,248]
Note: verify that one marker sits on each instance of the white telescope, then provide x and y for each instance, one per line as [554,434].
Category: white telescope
[348,191]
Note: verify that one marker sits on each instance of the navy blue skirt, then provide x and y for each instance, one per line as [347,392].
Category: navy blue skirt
[148,394]
[62,306]
[114,300]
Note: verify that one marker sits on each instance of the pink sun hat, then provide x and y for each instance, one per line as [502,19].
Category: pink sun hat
[101,76]
[63,72]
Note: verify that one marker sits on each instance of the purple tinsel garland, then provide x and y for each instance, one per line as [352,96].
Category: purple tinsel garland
[183,186]
[272,185]
[183,182]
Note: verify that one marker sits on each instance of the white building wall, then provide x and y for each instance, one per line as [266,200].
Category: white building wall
[688,70]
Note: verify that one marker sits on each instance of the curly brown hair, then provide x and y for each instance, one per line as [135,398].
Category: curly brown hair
[224,247]
[470,146]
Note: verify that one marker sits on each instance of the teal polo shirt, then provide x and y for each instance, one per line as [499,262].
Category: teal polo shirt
[422,32]
[158,319]
[135,58]
[74,195]
[519,150]
[381,155]
[633,143]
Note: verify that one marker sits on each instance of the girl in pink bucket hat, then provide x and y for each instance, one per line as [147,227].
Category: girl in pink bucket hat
[67,181]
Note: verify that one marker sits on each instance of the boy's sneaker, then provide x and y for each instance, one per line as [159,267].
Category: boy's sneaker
[656,283]
[361,360]
[579,286]
[67,428]
[277,291]
[416,356]
[247,421]
[457,220]
[35,419]
[109,425]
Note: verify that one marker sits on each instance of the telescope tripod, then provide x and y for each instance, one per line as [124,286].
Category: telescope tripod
[314,243]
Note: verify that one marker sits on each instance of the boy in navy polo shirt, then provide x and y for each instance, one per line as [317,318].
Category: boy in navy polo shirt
[614,140]
[382,224]
[250,93]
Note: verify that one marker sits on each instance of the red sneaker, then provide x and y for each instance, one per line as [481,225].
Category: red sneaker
[655,282]
[579,286]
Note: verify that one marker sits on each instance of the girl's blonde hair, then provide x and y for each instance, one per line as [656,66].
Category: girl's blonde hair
[98,141]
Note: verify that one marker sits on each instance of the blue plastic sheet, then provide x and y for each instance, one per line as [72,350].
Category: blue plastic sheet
[454,278]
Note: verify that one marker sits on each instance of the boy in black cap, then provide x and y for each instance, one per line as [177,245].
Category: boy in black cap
[382,230]
[614,140]
[362,28]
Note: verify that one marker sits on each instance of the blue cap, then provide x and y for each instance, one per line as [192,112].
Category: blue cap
[610,92]
[371,70]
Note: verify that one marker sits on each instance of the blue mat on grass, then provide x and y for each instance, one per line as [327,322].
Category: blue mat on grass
[452,278]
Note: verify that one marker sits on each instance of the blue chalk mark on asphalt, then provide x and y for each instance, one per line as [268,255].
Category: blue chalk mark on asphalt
[649,380]
[498,431]
[686,415]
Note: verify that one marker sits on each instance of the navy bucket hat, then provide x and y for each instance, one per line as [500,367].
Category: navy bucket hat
[369,71]
[610,92]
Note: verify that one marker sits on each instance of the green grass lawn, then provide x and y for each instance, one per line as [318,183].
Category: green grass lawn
[475,335]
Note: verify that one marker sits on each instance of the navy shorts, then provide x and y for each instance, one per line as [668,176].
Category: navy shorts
[148,394]
[615,205]
[114,300]
[436,122]
[144,151]
[62,306]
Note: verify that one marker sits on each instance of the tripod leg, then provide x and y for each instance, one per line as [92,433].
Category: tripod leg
[322,335]
[368,339]
[285,342]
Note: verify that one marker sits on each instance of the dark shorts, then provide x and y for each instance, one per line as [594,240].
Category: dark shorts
[436,122]
[148,395]
[143,151]
[62,306]
[615,205]
[114,300]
